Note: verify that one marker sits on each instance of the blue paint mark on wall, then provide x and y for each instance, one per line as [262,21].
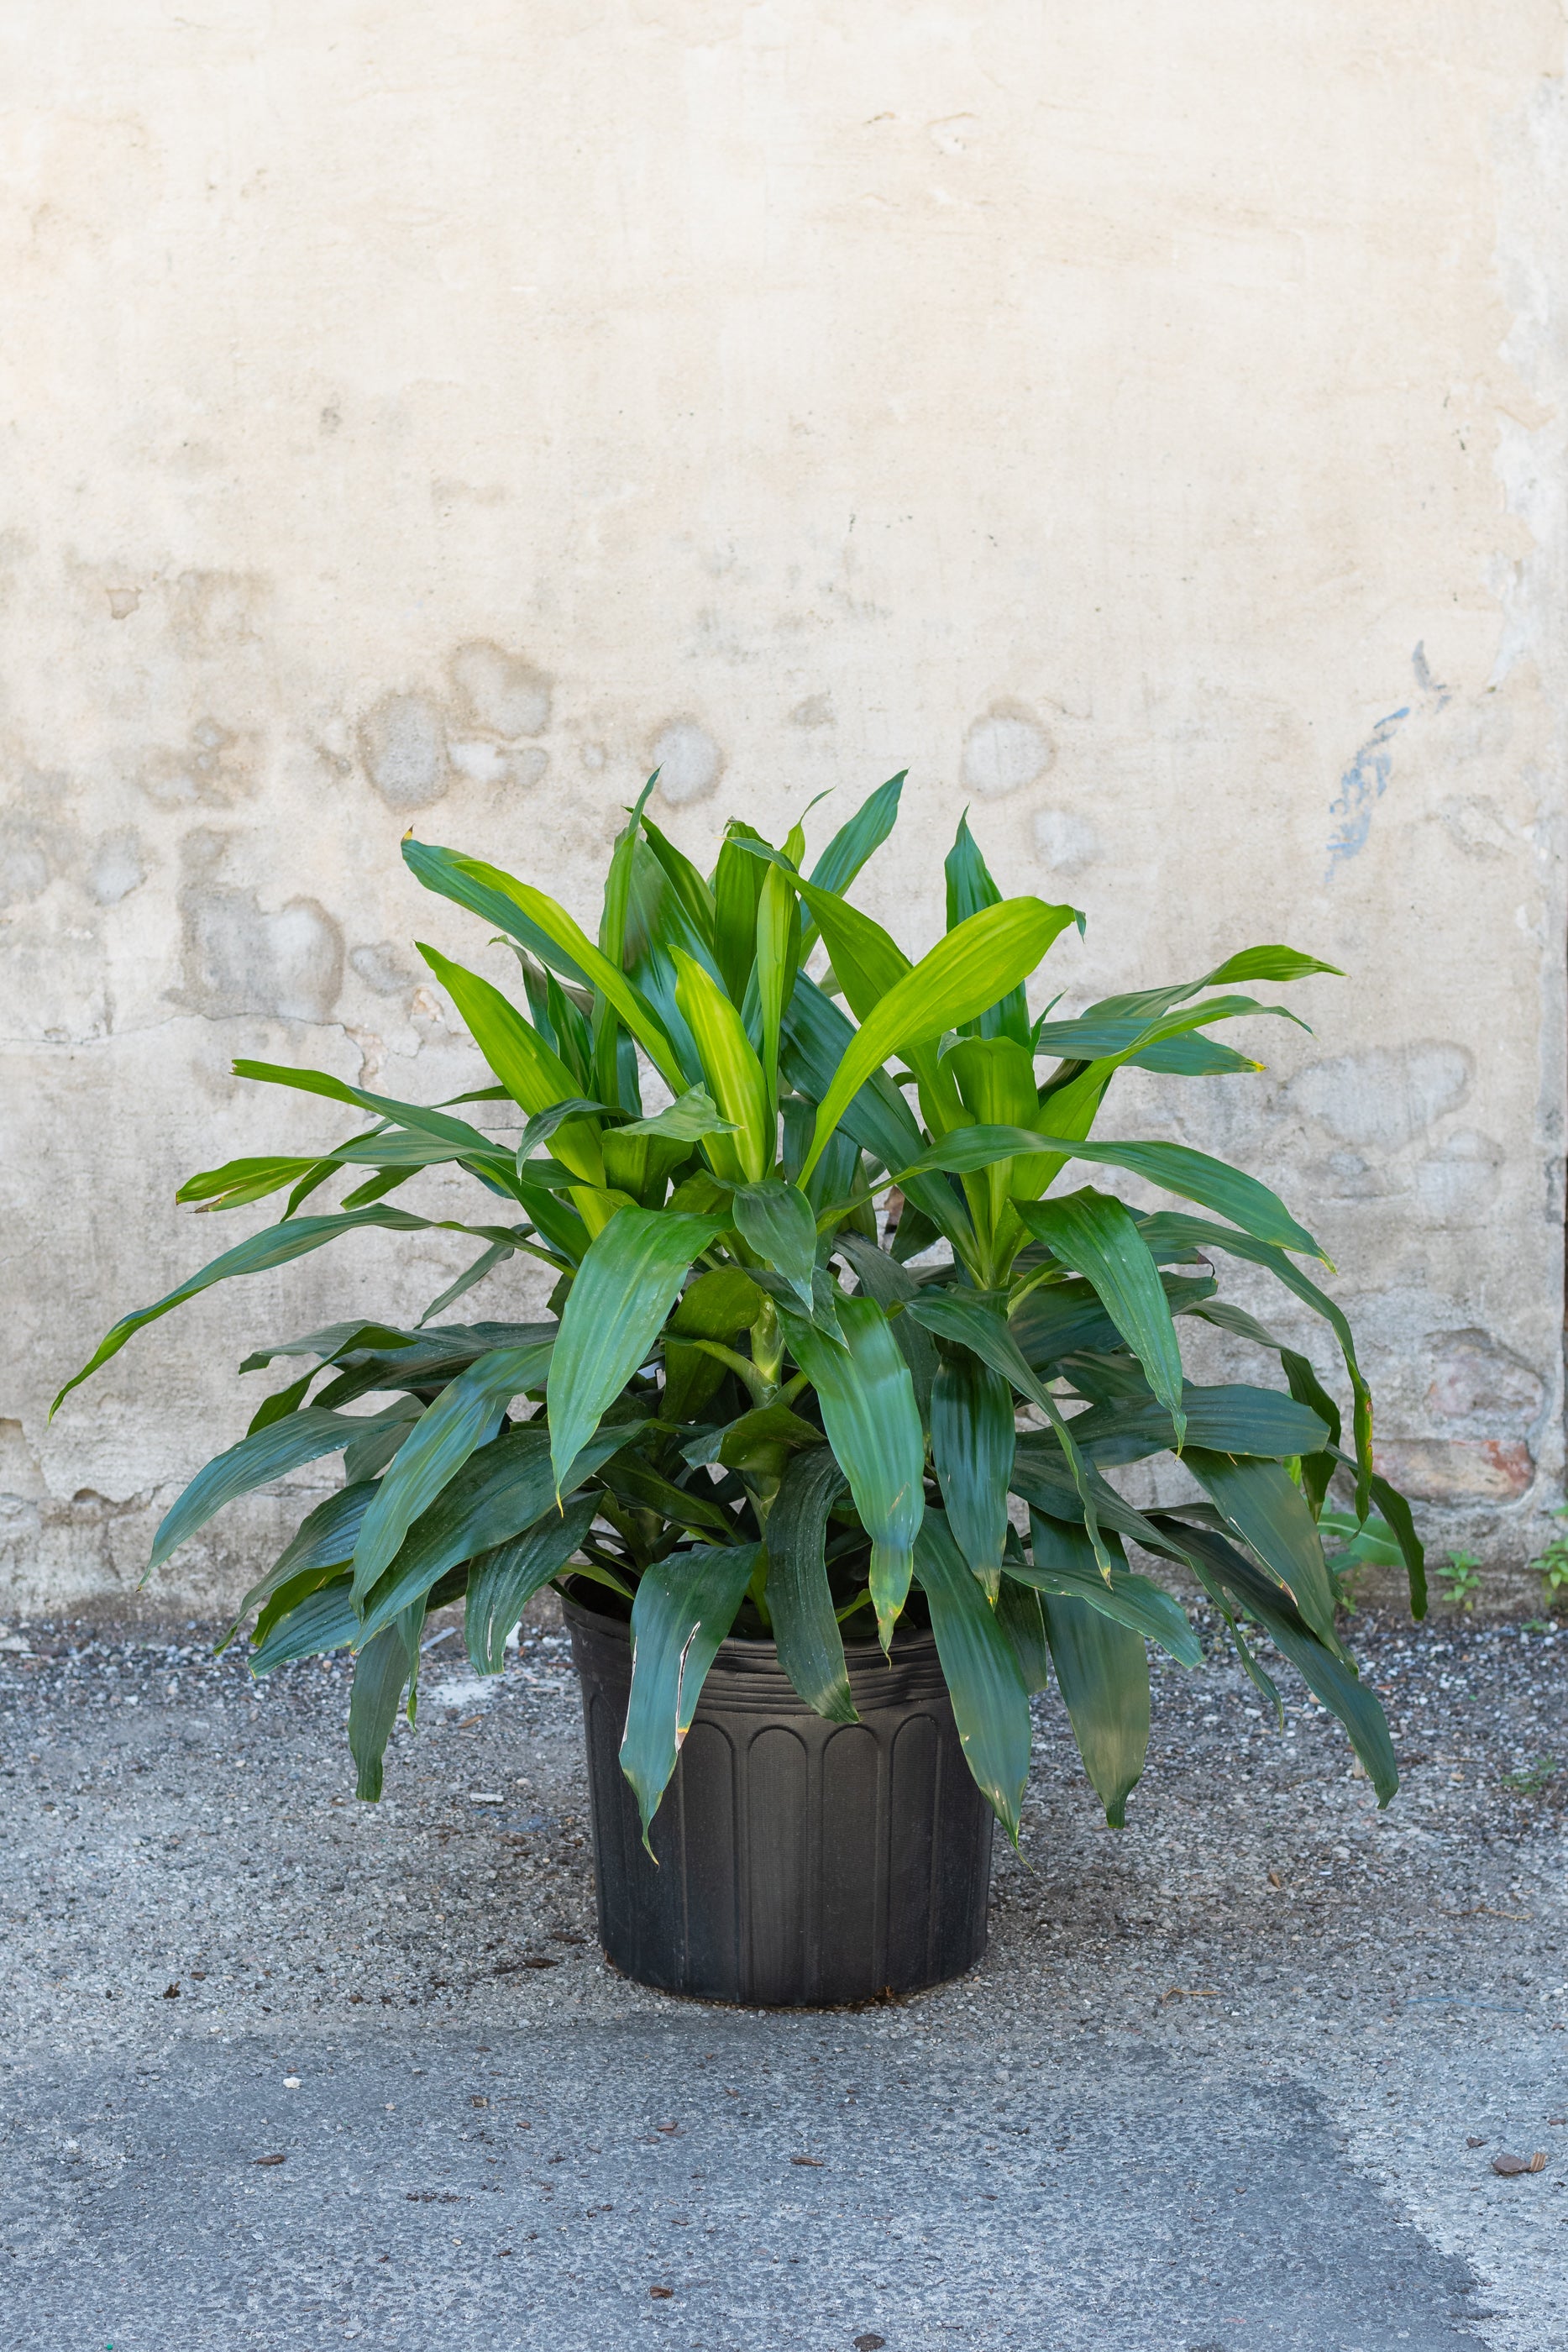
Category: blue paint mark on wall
[1361,787]
[1364,781]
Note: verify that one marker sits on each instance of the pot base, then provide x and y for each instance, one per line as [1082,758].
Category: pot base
[800,1863]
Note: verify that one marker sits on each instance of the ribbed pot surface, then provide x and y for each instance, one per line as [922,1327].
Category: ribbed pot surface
[800,1863]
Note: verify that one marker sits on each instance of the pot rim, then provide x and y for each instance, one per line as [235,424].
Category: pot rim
[853,1651]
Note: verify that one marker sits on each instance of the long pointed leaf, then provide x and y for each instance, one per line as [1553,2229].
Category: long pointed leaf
[776,1220]
[980,1668]
[816,1038]
[537,1079]
[274,1245]
[1170,1231]
[1102,1673]
[966,971]
[325,1619]
[325,1537]
[973,1326]
[1328,1675]
[269,1453]
[882,1278]
[858,840]
[869,1413]
[624,1290]
[549,931]
[1227,1419]
[1064,1565]
[970,887]
[1099,1238]
[684,1607]
[380,1673]
[463,1417]
[800,1600]
[972,1442]
[734,1075]
[1269,1513]
[499,1491]
[1172,1166]
[506,1580]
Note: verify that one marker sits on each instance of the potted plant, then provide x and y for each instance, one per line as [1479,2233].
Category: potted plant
[814,1440]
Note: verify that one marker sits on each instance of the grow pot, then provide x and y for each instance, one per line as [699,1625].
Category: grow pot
[796,1862]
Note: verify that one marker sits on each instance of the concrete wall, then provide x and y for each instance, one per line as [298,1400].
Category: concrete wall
[1144,422]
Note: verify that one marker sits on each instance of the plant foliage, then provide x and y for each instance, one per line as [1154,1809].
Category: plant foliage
[825,1338]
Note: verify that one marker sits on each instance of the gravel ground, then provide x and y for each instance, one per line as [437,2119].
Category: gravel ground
[285,2071]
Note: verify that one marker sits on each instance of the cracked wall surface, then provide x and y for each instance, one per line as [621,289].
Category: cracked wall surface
[1145,425]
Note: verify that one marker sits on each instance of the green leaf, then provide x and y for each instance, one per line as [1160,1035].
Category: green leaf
[972,1441]
[1062,1319]
[1257,1210]
[882,1278]
[859,840]
[1064,1565]
[1262,1504]
[733,1072]
[869,1413]
[690,1117]
[684,1607]
[240,1181]
[326,1619]
[469,1279]
[1232,1418]
[689,888]
[1166,1231]
[716,1305]
[1371,1543]
[632,1481]
[368,1455]
[422,1119]
[1103,1673]
[335,1340]
[778,961]
[816,1038]
[463,1417]
[624,1290]
[500,1490]
[980,1668]
[547,930]
[1396,1511]
[970,887]
[271,1452]
[1099,1238]
[800,1600]
[970,1325]
[964,973]
[767,1426]
[537,1079]
[380,1672]
[776,1220]
[325,1537]
[274,1245]
[737,892]
[1329,1676]
[504,1580]
[284,1402]
[1045,1479]
[1018,1616]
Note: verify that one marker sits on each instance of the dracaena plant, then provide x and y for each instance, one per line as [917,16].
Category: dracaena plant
[826,1347]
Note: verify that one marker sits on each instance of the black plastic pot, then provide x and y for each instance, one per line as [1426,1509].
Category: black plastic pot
[800,1863]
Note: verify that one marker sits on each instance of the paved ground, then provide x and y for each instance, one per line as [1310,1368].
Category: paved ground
[1180,2105]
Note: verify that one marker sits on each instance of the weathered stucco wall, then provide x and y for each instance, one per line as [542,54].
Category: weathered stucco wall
[1145,423]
